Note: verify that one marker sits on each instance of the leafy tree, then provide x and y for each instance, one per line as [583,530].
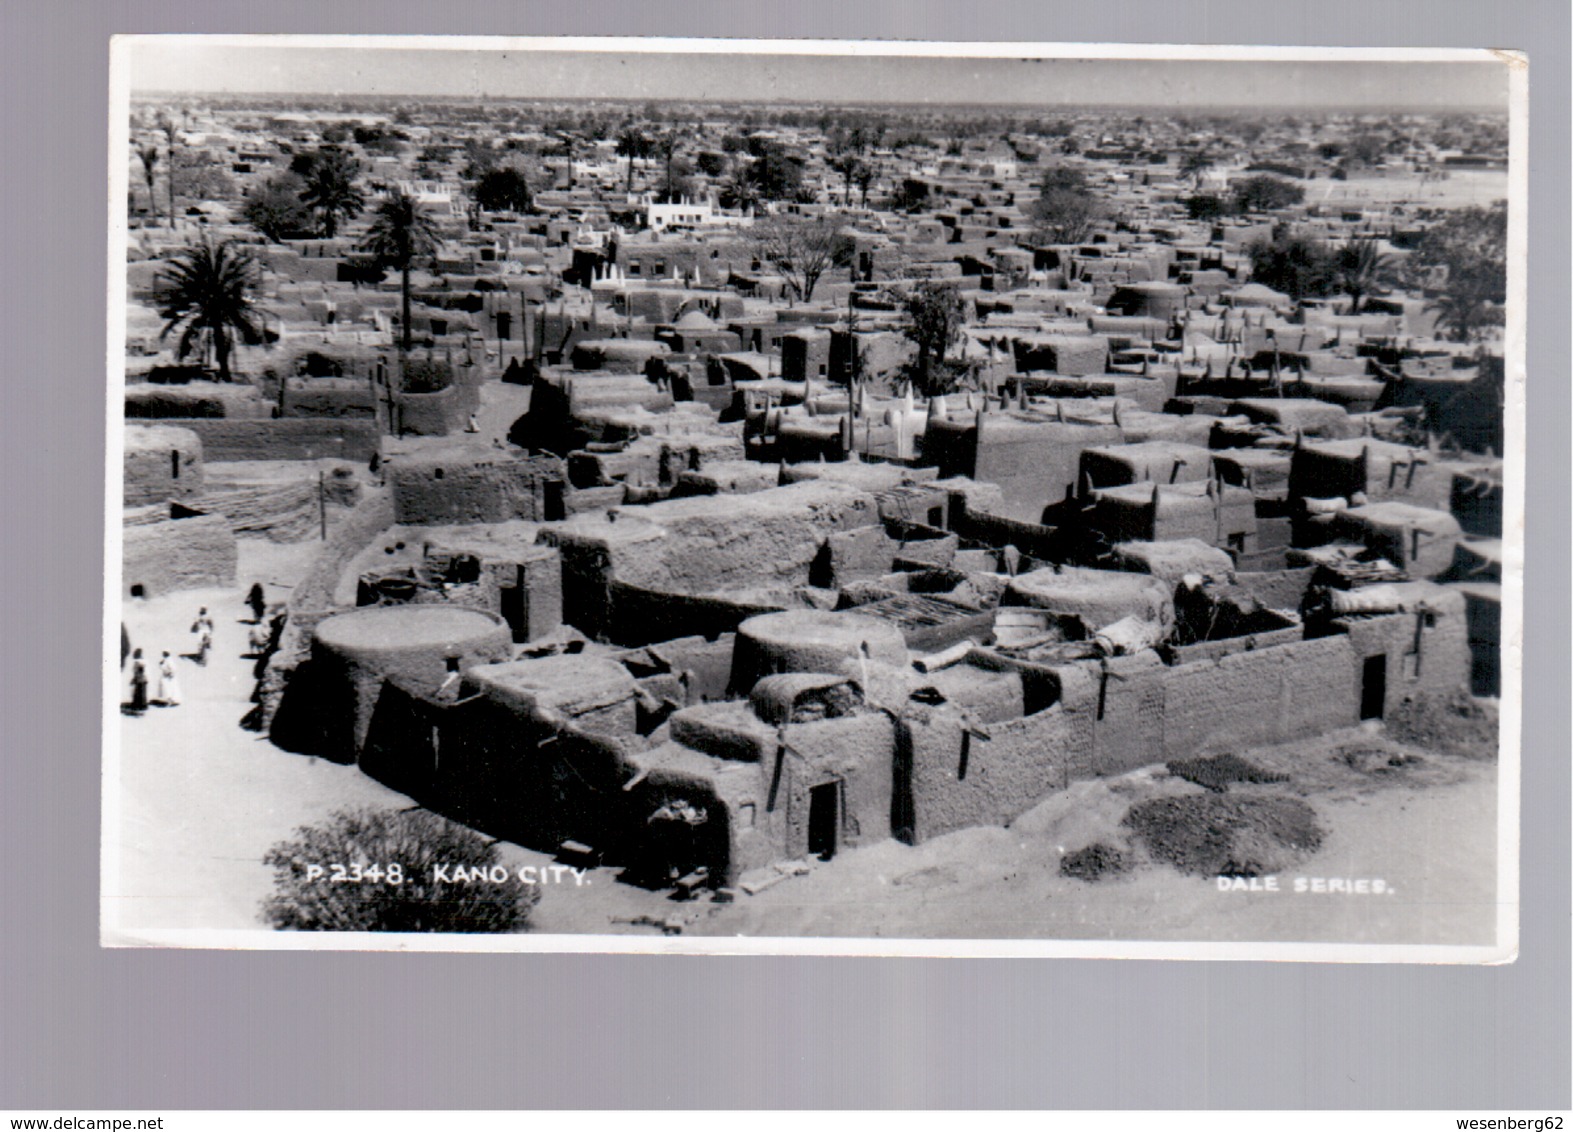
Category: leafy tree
[1367,149]
[1469,247]
[274,208]
[198,177]
[1360,269]
[910,196]
[1266,194]
[775,174]
[1297,265]
[409,845]
[206,296]
[504,189]
[801,249]
[935,314]
[331,192]
[1207,206]
[1194,164]
[479,159]
[1066,210]
[401,233]
[710,163]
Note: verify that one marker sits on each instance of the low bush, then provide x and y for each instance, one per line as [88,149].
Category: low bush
[373,870]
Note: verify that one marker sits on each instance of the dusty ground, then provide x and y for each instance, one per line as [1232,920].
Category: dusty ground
[1428,831]
[202,800]
[1462,187]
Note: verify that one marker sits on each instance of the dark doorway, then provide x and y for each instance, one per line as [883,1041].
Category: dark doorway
[504,324]
[553,503]
[823,820]
[512,605]
[1373,686]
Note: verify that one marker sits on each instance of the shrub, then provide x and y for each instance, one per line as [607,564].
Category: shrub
[408,844]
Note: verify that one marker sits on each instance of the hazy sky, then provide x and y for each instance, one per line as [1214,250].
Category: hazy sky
[186,64]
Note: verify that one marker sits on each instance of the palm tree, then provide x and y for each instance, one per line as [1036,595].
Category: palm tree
[167,124]
[667,143]
[568,142]
[331,191]
[1363,268]
[149,156]
[205,294]
[401,232]
[632,142]
[865,177]
[850,166]
[1466,311]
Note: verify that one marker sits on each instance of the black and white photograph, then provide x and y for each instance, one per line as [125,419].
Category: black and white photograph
[814,497]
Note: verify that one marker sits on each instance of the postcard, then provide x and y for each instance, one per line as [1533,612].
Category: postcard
[812,497]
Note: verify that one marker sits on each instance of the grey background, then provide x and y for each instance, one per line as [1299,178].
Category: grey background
[82,1028]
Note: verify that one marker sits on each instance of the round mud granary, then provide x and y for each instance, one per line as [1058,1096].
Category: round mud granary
[1098,597]
[811,640]
[418,646]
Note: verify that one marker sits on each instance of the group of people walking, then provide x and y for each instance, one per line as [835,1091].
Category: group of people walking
[167,693]
[163,678]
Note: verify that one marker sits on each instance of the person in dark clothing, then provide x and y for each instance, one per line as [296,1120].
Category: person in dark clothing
[203,628]
[138,683]
[258,600]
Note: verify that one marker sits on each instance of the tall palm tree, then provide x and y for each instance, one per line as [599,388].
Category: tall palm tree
[667,143]
[632,142]
[149,155]
[171,131]
[331,191]
[205,295]
[401,232]
[1362,268]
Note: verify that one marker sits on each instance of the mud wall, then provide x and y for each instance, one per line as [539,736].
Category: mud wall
[958,780]
[298,439]
[1426,652]
[437,492]
[312,598]
[856,754]
[177,554]
[160,463]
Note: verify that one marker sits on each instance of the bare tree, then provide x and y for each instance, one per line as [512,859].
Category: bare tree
[802,249]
